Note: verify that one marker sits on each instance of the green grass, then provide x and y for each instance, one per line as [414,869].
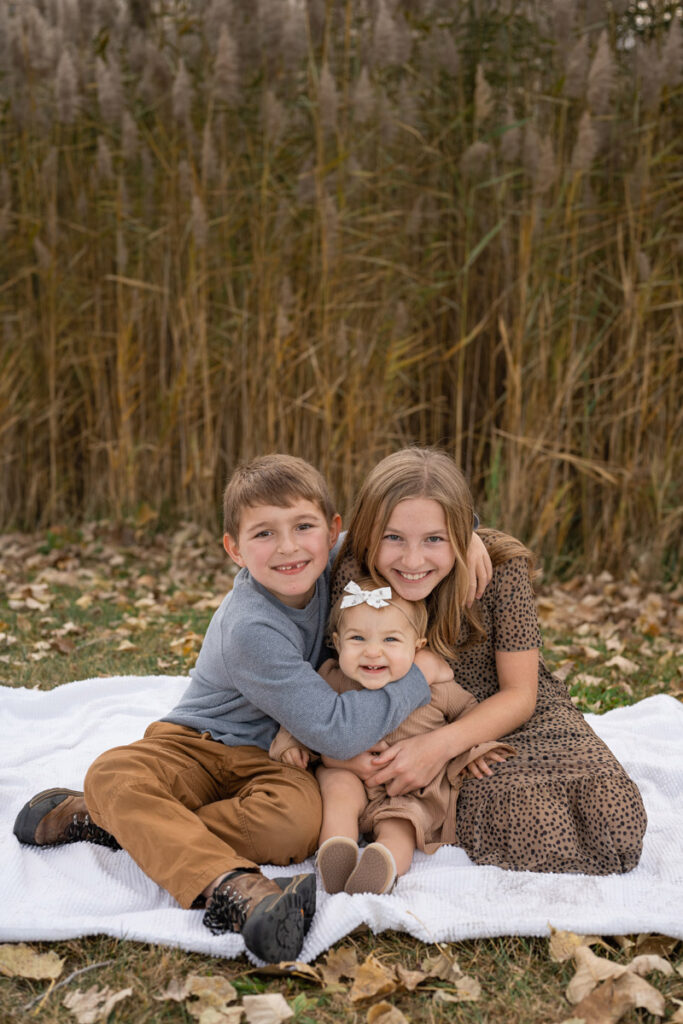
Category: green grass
[151,591]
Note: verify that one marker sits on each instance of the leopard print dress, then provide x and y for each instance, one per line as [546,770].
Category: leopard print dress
[562,803]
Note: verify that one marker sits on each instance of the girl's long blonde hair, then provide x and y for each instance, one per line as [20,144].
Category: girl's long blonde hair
[426,473]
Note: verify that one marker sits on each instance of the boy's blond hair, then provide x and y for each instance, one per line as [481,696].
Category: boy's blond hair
[414,611]
[273,480]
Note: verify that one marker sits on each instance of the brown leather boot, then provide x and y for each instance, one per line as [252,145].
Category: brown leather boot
[58,816]
[270,919]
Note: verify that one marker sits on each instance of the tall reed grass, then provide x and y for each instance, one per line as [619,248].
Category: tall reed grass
[334,227]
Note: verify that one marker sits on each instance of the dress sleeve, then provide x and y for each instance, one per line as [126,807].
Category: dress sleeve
[513,611]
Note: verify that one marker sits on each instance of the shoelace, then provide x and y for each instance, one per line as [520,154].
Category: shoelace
[86,831]
[228,910]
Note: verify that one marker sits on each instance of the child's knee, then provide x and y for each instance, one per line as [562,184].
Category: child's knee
[338,784]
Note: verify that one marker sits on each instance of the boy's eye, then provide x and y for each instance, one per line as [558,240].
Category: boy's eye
[305,526]
[263,533]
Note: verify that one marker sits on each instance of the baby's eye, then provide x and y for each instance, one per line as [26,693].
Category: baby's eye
[391,640]
[357,638]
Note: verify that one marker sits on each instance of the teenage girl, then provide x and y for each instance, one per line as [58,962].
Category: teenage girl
[562,803]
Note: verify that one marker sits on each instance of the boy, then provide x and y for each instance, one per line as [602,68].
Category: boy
[197,802]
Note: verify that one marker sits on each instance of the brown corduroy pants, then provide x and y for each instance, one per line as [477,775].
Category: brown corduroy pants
[188,808]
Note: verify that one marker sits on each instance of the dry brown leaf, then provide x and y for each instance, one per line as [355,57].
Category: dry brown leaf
[643,995]
[266,1009]
[604,1005]
[372,981]
[664,945]
[21,961]
[645,963]
[466,990]
[95,1004]
[563,944]
[410,979]
[585,679]
[385,1013]
[624,665]
[212,993]
[442,966]
[228,1015]
[176,990]
[339,963]
[590,969]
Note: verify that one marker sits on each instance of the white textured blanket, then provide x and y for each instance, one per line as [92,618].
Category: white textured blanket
[49,739]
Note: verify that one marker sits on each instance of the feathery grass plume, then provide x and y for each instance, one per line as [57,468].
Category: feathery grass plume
[43,254]
[218,14]
[643,266]
[305,192]
[386,118]
[546,168]
[38,40]
[156,76]
[564,12]
[475,160]
[109,88]
[328,100]
[181,95]
[672,53]
[385,40]
[226,69]
[511,140]
[274,117]
[576,72]
[104,166]
[209,158]
[121,252]
[649,71]
[294,43]
[363,104]
[408,108]
[129,137]
[198,223]
[185,180]
[601,77]
[586,145]
[441,52]
[270,19]
[531,150]
[483,97]
[66,89]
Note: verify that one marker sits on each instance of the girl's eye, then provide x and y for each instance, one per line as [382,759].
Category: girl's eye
[435,539]
[391,536]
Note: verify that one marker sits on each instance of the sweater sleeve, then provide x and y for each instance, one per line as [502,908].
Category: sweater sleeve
[266,666]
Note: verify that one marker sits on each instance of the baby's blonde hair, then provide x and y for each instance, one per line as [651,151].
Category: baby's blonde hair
[414,611]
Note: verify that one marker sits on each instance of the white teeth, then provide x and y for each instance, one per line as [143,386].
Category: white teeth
[411,576]
[286,568]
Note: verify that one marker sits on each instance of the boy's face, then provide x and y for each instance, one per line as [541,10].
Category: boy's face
[376,645]
[284,549]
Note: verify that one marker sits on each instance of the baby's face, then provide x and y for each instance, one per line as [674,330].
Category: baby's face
[375,645]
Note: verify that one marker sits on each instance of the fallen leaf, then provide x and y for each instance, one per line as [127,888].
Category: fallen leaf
[23,962]
[266,1009]
[564,944]
[590,969]
[442,966]
[624,665]
[176,990]
[340,963]
[385,1013]
[643,995]
[645,963]
[466,990]
[95,1004]
[212,993]
[604,1005]
[410,979]
[664,945]
[372,980]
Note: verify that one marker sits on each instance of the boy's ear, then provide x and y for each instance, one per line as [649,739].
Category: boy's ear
[335,529]
[420,643]
[335,641]
[230,545]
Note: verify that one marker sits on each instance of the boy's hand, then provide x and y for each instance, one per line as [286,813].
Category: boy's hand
[481,765]
[479,568]
[296,757]
[432,667]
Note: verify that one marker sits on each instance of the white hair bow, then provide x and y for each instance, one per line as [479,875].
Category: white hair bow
[375,598]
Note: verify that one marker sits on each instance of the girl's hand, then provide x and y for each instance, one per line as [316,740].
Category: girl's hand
[408,765]
[296,757]
[479,567]
[481,765]
[363,765]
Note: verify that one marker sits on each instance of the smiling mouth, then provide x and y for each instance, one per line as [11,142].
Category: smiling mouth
[413,577]
[373,668]
[290,567]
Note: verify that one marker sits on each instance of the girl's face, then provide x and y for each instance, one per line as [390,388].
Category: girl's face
[376,645]
[415,552]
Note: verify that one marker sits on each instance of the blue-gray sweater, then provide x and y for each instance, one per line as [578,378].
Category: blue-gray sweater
[256,671]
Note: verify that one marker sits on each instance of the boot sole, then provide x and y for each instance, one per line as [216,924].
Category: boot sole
[274,931]
[303,886]
[31,814]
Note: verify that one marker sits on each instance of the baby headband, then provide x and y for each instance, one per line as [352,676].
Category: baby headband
[375,598]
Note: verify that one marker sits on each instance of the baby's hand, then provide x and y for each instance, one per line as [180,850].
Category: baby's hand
[296,757]
[481,765]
